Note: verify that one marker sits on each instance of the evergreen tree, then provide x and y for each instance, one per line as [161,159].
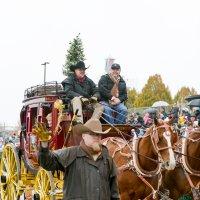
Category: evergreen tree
[154,90]
[74,54]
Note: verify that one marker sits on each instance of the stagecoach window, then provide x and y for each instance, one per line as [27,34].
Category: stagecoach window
[47,110]
[48,105]
[33,117]
[33,142]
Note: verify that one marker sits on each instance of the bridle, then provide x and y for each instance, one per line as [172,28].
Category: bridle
[155,139]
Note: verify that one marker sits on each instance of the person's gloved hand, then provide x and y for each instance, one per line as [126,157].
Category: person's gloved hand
[85,101]
[41,132]
[93,99]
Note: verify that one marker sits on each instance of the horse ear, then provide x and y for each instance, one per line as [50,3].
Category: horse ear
[155,120]
[170,122]
[175,137]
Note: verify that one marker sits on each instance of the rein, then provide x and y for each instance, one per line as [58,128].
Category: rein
[186,155]
[157,149]
[112,109]
[178,152]
[197,140]
[188,171]
[122,134]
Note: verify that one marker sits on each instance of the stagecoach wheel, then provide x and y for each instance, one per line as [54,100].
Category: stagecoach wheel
[44,185]
[10,173]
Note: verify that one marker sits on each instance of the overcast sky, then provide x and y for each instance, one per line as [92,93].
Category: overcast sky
[144,36]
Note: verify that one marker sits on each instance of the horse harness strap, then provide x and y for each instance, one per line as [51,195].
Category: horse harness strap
[137,169]
[154,137]
[148,184]
[187,170]
[131,166]
[194,189]
[184,161]
[193,157]
[189,179]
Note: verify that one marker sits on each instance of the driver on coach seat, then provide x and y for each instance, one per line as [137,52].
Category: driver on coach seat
[82,90]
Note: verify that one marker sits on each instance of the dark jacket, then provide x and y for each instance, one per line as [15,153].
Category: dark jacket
[84,178]
[106,84]
[74,88]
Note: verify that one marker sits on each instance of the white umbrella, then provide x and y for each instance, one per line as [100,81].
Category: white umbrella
[160,104]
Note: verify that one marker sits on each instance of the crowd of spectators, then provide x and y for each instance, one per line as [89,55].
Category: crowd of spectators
[179,116]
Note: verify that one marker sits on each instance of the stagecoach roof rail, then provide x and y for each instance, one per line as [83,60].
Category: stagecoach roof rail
[49,88]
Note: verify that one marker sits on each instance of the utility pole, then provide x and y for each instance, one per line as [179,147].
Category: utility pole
[45,65]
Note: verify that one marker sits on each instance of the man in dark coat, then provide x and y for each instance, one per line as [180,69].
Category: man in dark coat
[81,90]
[113,93]
[89,171]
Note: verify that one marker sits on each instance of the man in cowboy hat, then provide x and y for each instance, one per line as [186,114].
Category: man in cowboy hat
[89,171]
[81,90]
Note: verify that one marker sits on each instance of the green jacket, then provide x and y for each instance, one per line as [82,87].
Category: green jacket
[84,178]
[74,88]
[105,86]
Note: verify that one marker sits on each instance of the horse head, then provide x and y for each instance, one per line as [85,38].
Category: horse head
[163,138]
[191,149]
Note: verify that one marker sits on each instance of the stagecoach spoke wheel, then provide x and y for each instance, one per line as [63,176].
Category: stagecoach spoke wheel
[10,173]
[44,185]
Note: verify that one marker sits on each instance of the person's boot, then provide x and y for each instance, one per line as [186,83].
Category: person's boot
[98,110]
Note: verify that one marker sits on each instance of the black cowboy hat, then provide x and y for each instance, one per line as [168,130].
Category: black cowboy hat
[78,65]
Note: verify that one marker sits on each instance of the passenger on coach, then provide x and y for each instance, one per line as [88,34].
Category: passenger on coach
[81,90]
[49,120]
[112,88]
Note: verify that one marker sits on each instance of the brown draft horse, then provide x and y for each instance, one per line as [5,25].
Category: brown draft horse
[185,178]
[139,161]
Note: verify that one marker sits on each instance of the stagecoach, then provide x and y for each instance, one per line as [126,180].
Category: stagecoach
[20,170]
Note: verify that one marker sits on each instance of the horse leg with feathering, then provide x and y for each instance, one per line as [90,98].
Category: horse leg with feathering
[139,161]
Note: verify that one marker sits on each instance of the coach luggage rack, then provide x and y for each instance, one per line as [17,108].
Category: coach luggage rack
[49,88]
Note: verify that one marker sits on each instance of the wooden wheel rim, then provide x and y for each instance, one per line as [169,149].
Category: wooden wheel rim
[10,169]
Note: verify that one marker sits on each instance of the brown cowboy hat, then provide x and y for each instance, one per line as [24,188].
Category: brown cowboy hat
[92,126]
